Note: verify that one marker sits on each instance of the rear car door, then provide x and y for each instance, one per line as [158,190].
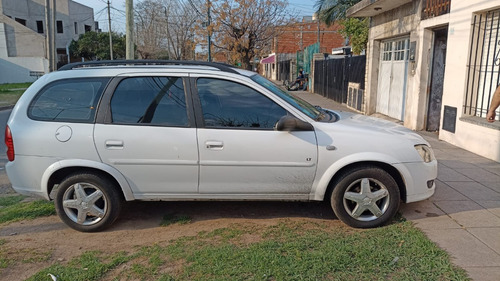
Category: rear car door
[241,153]
[147,132]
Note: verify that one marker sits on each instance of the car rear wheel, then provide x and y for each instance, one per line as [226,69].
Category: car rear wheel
[365,197]
[88,202]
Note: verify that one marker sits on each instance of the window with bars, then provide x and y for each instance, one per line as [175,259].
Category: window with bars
[483,68]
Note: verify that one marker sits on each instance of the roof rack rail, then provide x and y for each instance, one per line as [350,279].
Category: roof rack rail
[221,66]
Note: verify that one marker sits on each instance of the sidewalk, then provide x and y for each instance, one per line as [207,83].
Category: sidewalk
[463,216]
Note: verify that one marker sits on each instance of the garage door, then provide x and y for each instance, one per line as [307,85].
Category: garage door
[393,73]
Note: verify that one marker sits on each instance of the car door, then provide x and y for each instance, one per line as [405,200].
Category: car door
[147,133]
[241,153]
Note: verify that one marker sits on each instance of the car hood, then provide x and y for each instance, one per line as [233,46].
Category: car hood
[354,133]
[377,126]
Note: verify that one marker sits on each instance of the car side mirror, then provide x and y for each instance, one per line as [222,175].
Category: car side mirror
[289,123]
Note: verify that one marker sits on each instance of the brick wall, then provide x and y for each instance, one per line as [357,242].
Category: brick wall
[300,35]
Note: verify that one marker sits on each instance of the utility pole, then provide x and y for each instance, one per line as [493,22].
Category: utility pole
[48,40]
[319,30]
[110,38]
[129,45]
[53,29]
[209,33]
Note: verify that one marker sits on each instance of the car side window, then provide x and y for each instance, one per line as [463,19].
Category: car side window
[150,100]
[229,104]
[71,100]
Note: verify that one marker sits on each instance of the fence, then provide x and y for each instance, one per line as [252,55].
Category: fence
[434,8]
[332,76]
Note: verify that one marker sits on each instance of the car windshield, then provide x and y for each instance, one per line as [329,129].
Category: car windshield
[308,109]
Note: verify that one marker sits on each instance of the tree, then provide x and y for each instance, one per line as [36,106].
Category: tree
[150,29]
[330,11]
[181,20]
[95,46]
[356,29]
[245,28]
[165,29]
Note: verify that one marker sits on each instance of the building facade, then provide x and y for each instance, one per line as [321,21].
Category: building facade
[434,65]
[23,46]
[297,37]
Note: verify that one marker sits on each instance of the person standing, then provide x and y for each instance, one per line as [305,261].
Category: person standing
[495,102]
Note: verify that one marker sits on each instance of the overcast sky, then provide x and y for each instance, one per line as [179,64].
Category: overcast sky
[299,7]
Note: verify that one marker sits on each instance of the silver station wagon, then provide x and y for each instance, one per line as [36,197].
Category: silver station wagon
[96,134]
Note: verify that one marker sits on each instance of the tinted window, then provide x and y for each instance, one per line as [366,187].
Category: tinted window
[150,100]
[229,104]
[68,100]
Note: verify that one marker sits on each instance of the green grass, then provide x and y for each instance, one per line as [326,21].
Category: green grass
[10,93]
[12,208]
[10,86]
[287,251]
[169,219]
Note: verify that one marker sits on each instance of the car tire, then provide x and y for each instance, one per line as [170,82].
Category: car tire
[365,197]
[88,202]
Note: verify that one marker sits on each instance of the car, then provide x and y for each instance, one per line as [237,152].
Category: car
[96,134]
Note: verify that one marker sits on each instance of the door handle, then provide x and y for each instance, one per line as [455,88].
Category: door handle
[215,145]
[114,144]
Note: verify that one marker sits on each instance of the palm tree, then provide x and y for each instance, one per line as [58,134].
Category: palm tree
[330,11]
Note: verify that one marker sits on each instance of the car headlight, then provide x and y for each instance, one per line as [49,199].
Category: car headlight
[425,152]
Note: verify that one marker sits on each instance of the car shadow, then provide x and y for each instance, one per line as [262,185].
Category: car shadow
[141,215]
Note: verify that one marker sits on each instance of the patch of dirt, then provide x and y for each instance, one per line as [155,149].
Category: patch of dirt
[139,225]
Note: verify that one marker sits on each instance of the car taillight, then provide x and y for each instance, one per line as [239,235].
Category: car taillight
[9,142]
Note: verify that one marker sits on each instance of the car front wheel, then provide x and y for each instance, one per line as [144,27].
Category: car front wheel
[365,197]
[87,202]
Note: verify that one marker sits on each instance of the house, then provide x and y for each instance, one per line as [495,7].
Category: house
[23,46]
[434,65]
[297,37]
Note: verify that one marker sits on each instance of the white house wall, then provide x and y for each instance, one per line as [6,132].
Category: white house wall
[395,23]
[480,137]
[16,69]
[477,138]
[68,12]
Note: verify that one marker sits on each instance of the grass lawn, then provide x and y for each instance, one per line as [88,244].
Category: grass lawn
[10,93]
[288,250]
[12,208]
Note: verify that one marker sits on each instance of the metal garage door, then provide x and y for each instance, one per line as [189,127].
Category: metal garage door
[393,72]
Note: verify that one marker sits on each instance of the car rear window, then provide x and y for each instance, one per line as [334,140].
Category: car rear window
[72,100]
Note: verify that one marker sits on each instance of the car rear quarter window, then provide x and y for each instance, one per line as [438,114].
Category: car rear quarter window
[150,101]
[227,104]
[71,100]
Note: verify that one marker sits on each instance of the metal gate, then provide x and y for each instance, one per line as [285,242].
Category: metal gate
[331,76]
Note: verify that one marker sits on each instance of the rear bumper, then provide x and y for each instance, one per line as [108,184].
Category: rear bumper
[25,175]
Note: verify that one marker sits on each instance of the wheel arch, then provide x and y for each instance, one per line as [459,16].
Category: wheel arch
[325,187]
[56,172]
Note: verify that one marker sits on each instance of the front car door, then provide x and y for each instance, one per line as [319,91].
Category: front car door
[148,134]
[241,153]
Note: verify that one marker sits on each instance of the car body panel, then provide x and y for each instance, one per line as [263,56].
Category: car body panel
[256,161]
[252,164]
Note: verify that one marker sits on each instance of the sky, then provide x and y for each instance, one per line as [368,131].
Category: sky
[299,7]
